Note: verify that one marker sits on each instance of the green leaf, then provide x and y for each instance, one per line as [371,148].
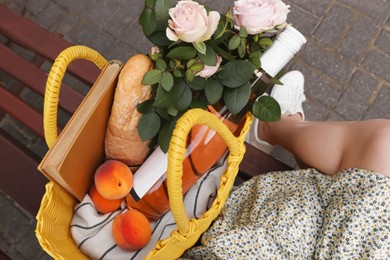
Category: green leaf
[236,73]
[221,52]
[255,61]
[159,38]
[236,99]
[267,109]
[197,67]
[198,103]
[190,75]
[182,53]
[162,8]
[210,58]
[164,137]
[265,42]
[222,24]
[213,90]
[148,126]
[163,98]
[234,42]
[148,21]
[167,81]
[276,81]
[177,73]
[150,3]
[160,64]
[254,46]
[172,64]
[200,47]
[198,83]
[182,94]
[172,110]
[152,77]
[162,112]
[255,54]
[243,32]
[191,62]
[242,48]
[254,58]
[241,51]
[146,107]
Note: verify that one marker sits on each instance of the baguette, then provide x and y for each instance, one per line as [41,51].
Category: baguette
[122,141]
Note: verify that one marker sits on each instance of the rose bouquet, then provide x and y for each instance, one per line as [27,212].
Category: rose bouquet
[202,57]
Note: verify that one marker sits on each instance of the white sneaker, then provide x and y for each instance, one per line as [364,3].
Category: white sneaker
[253,138]
[290,97]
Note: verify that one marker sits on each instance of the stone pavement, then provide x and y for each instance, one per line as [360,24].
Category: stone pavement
[345,62]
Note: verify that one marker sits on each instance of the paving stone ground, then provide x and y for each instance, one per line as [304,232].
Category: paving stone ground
[345,62]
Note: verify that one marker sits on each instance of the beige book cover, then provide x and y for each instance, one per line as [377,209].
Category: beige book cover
[79,149]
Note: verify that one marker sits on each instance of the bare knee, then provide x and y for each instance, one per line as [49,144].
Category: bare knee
[380,134]
[372,148]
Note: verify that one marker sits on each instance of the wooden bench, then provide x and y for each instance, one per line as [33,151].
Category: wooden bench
[19,176]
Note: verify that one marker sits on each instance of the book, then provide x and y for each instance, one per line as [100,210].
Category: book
[79,149]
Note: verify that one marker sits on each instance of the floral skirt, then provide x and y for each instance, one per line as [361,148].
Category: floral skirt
[303,214]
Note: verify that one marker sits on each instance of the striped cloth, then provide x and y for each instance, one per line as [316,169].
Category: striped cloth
[91,231]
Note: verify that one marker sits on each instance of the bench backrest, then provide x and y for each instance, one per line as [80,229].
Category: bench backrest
[26,54]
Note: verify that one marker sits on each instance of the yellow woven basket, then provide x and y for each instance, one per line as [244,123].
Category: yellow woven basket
[56,211]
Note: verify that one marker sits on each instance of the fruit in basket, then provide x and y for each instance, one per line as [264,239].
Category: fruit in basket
[131,230]
[102,204]
[113,179]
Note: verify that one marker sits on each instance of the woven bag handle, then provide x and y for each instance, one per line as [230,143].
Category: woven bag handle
[53,85]
[176,153]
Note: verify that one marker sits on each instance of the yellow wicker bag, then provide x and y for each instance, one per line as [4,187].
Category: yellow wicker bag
[56,211]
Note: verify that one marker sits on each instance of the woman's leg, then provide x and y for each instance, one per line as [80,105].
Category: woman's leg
[332,146]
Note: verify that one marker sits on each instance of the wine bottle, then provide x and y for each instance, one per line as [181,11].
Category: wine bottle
[204,146]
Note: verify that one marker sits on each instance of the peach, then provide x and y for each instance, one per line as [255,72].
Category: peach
[113,179]
[131,230]
[102,204]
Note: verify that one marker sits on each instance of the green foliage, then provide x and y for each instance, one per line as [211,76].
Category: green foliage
[182,94]
[162,7]
[167,81]
[182,53]
[267,109]
[197,83]
[208,58]
[148,21]
[152,77]
[234,42]
[148,126]
[200,47]
[175,84]
[213,90]
[236,98]
[236,73]
[165,134]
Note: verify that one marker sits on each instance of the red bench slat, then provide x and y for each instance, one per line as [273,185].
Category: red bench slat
[21,111]
[35,78]
[35,38]
[19,176]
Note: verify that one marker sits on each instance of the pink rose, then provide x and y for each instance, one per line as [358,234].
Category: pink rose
[154,50]
[208,71]
[259,15]
[190,23]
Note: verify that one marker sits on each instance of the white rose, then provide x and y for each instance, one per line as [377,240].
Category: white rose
[190,23]
[259,15]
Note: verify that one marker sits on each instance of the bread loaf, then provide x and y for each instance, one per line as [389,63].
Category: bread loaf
[122,141]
